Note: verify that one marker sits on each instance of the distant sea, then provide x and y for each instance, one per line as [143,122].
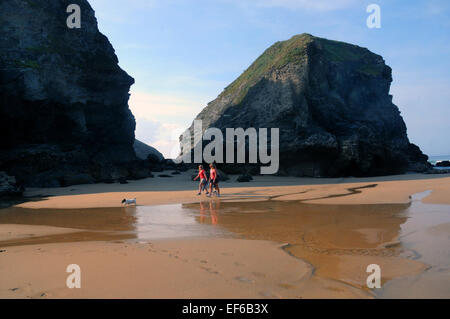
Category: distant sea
[434,159]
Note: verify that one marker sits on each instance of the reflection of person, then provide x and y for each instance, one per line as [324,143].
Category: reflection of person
[213,206]
[202,212]
[213,180]
[203,182]
[213,212]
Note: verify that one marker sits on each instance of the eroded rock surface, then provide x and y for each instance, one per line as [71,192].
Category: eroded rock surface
[64,115]
[332,105]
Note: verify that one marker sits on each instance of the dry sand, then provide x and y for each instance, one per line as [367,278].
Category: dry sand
[204,268]
[195,268]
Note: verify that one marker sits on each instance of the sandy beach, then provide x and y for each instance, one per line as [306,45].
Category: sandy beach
[180,189]
[345,224]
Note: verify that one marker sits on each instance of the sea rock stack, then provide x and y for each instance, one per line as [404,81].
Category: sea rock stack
[64,116]
[331,103]
[146,152]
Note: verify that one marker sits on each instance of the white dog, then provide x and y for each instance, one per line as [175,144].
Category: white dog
[129,201]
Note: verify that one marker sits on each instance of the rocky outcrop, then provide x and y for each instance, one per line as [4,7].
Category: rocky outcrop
[146,152]
[445,163]
[8,186]
[64,116]
[244,178]
[332,105]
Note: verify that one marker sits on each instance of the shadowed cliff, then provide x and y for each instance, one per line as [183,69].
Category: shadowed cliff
[64,116]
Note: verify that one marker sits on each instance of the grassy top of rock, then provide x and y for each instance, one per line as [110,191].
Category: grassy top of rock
[293,51]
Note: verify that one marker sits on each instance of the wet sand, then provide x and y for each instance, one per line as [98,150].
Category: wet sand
[252,243]
[15,232]
[410,242]
[213,268]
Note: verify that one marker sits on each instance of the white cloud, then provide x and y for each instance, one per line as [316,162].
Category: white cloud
[157,106]
[161,118]
[162,136]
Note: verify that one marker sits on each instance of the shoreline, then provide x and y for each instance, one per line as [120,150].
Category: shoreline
[395,189]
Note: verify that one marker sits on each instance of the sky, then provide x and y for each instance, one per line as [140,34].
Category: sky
[182,54]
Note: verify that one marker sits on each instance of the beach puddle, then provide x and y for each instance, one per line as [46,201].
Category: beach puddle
[410,242]
[141,223]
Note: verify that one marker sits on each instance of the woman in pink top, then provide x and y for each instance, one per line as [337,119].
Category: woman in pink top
[213,180]
[202,176]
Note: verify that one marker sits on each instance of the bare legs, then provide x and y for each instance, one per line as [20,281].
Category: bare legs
[216,186]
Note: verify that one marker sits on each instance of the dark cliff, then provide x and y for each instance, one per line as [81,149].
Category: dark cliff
[64,116]
[330,101]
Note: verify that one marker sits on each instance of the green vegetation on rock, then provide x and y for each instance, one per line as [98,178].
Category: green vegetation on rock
[340,51]
[294,51]
[277,56]
[331,105]
[28,64]
[343,52]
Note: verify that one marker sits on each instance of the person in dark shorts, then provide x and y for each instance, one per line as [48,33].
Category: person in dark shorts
[213,180]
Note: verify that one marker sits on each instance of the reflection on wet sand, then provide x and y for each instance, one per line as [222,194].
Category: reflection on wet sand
[93,224]
[141,223]
[103,219]
[410,242]
[341,229]
[209,208]
[339,241]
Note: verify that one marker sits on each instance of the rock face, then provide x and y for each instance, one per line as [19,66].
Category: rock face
[64,115]
[330,101]
[443,163]
[8,186]
[143,151]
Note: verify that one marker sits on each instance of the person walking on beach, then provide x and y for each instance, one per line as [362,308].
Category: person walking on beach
[203,184]
[213,180]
